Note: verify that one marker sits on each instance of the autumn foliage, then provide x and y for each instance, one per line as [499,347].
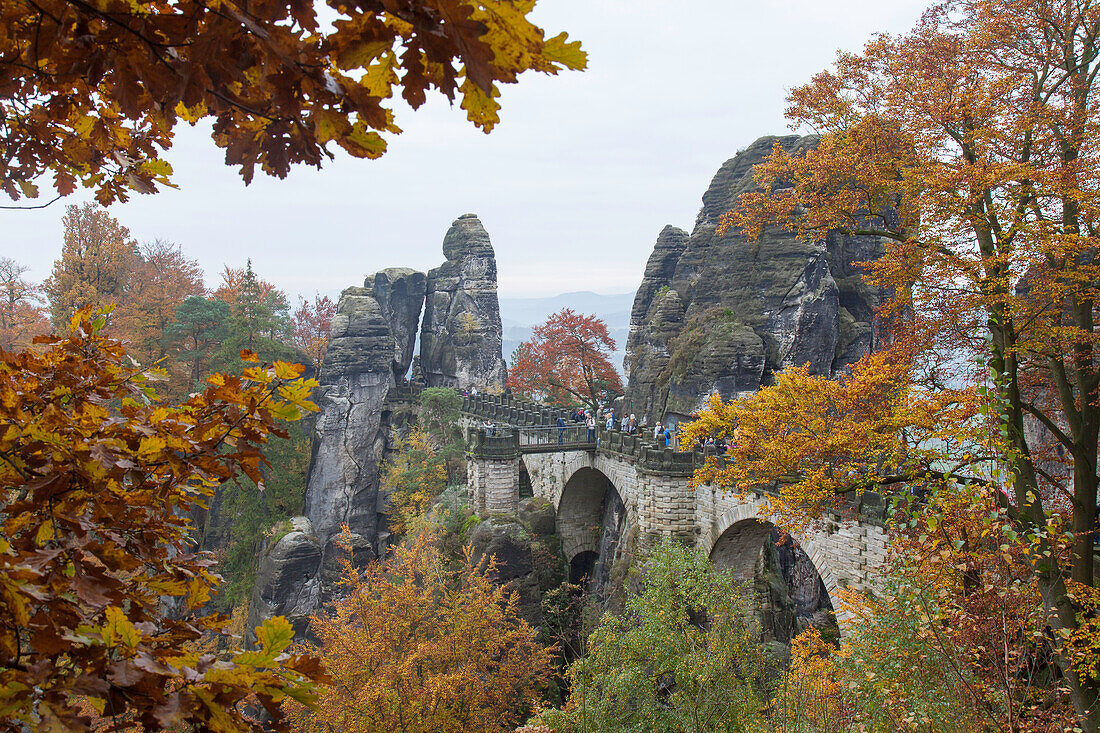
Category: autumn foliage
[811,440]
[970,147]
[420,646]
[566,361]
[312,323]
[414,475]
[101,590]
[21,314]
[91,93]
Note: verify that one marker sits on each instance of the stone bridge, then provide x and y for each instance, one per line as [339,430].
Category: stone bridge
[579,476]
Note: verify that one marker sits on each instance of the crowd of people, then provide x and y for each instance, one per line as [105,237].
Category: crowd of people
[663,435]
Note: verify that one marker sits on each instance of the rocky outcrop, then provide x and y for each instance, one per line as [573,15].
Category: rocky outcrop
[460,340]
[525,553]
[349,438]
[287,579]
[720,313]
[370,350]
[399,292]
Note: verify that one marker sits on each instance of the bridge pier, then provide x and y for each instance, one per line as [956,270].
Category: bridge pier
[492,473]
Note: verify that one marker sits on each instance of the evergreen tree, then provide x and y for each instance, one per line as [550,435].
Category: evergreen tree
[201,325]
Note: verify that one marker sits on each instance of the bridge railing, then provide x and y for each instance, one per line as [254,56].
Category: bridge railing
[523,425]
[503,408]
[553,435]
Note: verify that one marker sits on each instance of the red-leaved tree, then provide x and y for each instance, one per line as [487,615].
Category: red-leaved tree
[567,360]
[312,321]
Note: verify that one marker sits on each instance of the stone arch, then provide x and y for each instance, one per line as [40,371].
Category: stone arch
[581,509]
[743,533]
[593,525]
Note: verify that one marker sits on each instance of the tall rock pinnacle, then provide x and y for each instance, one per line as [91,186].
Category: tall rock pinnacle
[460,340]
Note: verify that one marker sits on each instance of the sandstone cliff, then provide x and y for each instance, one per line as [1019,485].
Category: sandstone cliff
[718,313]
[399,292]
[370,350]
[460,339]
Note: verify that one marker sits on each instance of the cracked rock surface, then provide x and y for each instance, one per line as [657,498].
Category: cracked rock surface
[720,313]
[370,350]
[460,340]
[399,292]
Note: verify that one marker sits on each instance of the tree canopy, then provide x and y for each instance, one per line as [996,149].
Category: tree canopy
[90,93]
[566,361]
[418,645]
[681,658]
[970,145]
[102,590]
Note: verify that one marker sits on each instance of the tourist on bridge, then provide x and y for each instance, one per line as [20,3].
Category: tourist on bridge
[610,425]
[624,424]
[561,430]
[591,425]
[632,425]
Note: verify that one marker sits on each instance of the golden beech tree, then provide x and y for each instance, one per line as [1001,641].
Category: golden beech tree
[419,646]
[100,588]
[98,262]
[814,439]
[567,360]
[971,146]
[90,92]
[21,313]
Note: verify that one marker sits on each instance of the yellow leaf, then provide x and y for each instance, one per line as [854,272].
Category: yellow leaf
[82,126]
[151,447]
[191,114]
[274,635]
[481,108]
[568,55]
[363,143]
[329,124]
[380,77]
[119,627]
[361,54]
[45,533]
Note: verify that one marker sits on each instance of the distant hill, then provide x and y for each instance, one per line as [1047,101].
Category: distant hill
[520,315]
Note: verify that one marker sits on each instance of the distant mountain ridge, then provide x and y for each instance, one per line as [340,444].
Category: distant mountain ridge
[519,316]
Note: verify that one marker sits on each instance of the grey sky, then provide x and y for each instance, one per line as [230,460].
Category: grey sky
[573,186]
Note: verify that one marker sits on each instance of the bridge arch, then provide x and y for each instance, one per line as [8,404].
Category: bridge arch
[592,521]
[740,539]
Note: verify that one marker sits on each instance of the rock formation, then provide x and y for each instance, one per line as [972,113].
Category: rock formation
[399,292]
[460,339]
[718,313]
[288,578]
[526,553]
[370,350]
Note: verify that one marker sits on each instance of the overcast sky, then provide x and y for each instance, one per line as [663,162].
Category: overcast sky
[573,186]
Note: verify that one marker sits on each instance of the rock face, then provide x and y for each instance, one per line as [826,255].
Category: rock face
[349,437]
[526,552]
[287,580]
[460,340]
[399,292]
[370,350]
[718,313]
